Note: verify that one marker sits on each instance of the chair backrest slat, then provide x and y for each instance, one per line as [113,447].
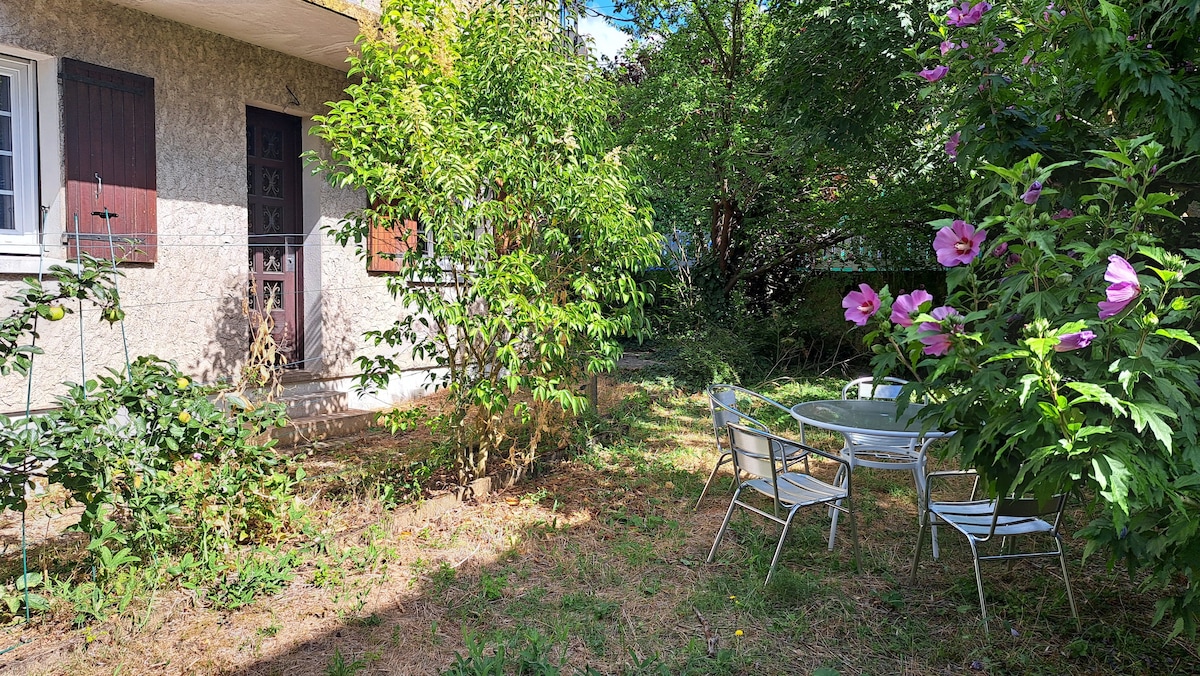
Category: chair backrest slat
[754,453]
[1027,506]
[886,388]
[879,392]
[722,417]
[729,404]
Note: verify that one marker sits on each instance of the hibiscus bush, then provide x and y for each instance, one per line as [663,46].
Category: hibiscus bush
[1061,76]
[1065,355]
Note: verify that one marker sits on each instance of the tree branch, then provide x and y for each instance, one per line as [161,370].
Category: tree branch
[789,255]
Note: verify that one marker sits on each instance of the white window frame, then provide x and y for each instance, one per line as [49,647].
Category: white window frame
[23,73]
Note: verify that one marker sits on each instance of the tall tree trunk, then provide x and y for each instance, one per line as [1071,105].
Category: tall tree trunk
[725,223]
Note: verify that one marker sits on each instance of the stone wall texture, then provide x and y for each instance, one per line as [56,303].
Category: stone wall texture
[187,307]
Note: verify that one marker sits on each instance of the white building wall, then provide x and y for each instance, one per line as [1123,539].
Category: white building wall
[187,307]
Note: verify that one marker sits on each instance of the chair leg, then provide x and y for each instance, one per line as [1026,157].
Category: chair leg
[839,480]
[1062,560]
[1009,546]
[924,519]
[725,457]
[779,547]
[979,585]
[919,480]
[712,554]
[854,534]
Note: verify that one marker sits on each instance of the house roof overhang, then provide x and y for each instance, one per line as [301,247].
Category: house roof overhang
[321,31]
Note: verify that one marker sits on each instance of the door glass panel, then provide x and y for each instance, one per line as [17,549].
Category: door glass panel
[8,199]
[272,144]
[272,219]
[273,259]
[274,295]
[272,182]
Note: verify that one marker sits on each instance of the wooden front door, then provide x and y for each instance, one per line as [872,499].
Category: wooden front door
[275,235]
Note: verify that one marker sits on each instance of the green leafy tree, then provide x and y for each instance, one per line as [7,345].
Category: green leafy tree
[775,133]
[487,125]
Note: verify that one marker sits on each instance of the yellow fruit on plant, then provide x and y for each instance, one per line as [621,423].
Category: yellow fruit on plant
[184,417]
[56,313]
[182,383]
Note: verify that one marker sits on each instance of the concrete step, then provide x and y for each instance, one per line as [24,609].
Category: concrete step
[315,403]
[323,426]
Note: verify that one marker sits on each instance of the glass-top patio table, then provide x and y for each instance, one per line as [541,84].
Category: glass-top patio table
[875,417]
[876,435]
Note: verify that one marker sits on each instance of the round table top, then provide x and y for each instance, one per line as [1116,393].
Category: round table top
[864,416]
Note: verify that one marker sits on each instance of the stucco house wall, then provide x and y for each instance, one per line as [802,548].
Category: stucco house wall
[187,306]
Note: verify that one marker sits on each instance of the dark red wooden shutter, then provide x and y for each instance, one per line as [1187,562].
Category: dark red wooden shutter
[386,238]
[108,130]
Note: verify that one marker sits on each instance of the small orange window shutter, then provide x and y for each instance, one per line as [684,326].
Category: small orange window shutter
[387,242]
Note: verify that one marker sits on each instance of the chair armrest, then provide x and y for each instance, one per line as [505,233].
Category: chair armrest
[941,474]
[752,422]
[810,450]
[790,450]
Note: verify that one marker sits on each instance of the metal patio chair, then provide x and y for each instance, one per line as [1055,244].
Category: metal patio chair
[723,402]
[866,388]
[1007,518]
[763,462]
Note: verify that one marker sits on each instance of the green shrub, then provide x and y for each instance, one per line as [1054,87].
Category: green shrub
[698,358]
[160,463]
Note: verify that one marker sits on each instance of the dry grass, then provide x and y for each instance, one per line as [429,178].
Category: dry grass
[603,558]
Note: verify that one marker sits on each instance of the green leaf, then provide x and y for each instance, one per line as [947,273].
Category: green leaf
[1150,414]
[1041,347]
[1114,479]
[1090,392]
[1009,356]
[1027,382]
[1180,335]
[28,581]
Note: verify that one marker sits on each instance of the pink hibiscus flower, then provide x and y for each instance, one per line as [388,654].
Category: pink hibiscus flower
[905,305]
[938,343]
[861,305]
[1122,289]
[958,244]
[1074,341]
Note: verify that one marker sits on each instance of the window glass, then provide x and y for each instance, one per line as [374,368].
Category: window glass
[7,194]
[18,153]
[6,138]
[6,174]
